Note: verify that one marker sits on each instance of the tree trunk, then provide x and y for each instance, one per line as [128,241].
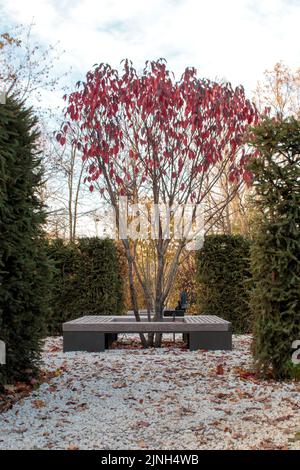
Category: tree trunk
[133,297]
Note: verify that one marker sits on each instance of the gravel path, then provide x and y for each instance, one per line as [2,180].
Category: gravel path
[155,399]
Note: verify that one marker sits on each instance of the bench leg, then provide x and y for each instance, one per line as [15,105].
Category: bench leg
[212,340]
[90,341]
[110,338]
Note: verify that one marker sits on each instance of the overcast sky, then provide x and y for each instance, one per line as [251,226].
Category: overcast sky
[232,39]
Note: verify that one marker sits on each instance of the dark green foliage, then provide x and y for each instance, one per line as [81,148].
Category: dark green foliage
[222,271]
[88,280]
[24,268]
[275,254]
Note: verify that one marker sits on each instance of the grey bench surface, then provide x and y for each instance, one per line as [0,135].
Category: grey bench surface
[95,333]
[125,324]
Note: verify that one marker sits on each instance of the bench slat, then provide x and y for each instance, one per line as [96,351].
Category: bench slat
[122,325]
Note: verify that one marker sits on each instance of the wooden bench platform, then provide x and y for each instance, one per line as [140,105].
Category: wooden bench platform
[95,333]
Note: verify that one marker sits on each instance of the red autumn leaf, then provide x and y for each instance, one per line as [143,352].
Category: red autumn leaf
[248,177]
[119,180]
[91,188]
[233,175]
[220,369]
[180,165]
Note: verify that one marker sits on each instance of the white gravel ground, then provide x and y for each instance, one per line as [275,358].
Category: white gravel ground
[154,399]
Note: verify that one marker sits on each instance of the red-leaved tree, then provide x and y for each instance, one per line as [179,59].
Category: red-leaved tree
[154,139]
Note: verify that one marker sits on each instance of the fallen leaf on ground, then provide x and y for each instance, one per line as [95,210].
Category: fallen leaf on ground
[54,349]
[10,388]
[120,385]
[222,395]
[38,404]
[142,444]
[143,424]
[283,418]
[245,374]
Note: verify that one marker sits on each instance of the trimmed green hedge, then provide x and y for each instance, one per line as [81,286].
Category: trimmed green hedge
[275,252]
[222,272]
[25,274]
[88,280]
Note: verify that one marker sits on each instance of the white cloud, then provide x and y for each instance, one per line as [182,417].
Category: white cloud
[236,39]
[232,39]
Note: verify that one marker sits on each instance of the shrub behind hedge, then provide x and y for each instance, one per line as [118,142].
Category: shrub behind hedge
[88,280]
[222,269]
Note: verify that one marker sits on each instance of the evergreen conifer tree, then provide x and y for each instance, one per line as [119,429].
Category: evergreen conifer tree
[24,269]
[275,252]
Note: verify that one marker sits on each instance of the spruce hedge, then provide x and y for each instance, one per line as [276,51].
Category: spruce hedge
[222,274]
[275,252]
[25,274]
[88,280]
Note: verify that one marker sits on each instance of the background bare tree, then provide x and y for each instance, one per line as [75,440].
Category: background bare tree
[279,91]
[27,69]
[68,167]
